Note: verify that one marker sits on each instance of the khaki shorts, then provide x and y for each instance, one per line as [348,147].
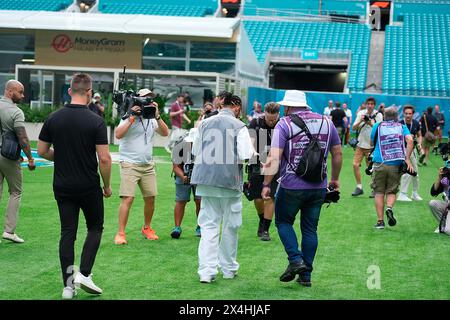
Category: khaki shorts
[385,179]
[361,153]
[143,175]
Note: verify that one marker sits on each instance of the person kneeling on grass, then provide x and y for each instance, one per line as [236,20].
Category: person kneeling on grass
[439,209]
[183,165]
[388,156]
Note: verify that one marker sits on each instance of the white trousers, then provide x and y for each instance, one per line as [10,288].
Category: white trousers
[407,178]
[212,252]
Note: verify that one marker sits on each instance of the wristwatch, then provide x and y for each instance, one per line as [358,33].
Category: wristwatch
[158,118]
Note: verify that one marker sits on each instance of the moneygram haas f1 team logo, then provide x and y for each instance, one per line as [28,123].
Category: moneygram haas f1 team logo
[62,43]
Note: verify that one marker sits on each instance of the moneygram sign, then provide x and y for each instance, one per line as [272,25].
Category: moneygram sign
[88,49]
[63,43]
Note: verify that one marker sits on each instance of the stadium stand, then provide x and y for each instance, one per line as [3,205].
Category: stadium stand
[331,37]
[287,7]
[35,5]
[187,8]
[404,7]
[417,59]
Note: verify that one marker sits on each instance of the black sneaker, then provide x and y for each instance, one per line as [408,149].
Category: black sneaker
[421,158]
[390,215]
[265,236]
[357,192]
[260,230]
[304,282]
[379,225]
[292,270]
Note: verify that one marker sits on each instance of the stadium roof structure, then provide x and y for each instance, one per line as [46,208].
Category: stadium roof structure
[120,23]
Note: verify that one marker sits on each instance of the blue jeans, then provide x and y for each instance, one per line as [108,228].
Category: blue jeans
[287,204]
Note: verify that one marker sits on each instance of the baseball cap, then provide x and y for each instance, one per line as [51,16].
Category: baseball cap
[144,92]
[97,95]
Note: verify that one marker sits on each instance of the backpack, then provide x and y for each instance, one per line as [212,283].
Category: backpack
[312,162]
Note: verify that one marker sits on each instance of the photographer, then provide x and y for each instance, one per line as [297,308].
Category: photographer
[261,129]
[96,106]
[183,165]
[414,128]
[136,164]
[177,114]
[438,208]
[365,119]
[388,139]
[296,193]
[428,126]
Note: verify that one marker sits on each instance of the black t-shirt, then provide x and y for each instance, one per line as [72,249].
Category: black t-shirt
[74,132]
[431,123]
[413,127]
[94,108]
[337,116]
[263,131]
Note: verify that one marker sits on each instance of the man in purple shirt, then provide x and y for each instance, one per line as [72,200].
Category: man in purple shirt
[296,194]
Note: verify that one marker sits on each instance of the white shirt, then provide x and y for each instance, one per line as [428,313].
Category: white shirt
[136,146]
[365,129]
[327,111]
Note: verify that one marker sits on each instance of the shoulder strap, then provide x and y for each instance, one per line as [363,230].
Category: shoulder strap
[301,124]
[426,124]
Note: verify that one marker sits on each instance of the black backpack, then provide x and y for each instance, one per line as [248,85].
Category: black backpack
[311,164]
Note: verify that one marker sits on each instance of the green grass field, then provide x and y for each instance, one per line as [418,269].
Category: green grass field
[413,260]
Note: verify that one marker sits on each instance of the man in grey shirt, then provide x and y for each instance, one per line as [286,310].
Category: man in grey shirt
[12,119]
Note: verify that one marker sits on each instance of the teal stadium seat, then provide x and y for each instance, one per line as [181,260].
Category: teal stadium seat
[333,37]
[416,57]
[35,5]
[185,8]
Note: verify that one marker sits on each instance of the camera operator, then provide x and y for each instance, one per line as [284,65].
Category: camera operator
[365,119]
[389,157]
[183,165]
[137,166]
[289,145]
[414,128]
[261,129]
[438,208]
[177,114]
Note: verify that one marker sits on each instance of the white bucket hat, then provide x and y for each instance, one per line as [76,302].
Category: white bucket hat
[97,95]
[294,98]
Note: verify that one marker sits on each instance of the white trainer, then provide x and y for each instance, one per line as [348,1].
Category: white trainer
[12,237]
[437,230]
[86,284]
[403,197]
[230,275]
[207,279]
[68,293]
[416,197]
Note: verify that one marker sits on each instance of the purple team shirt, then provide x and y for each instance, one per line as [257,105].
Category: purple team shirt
[294,148]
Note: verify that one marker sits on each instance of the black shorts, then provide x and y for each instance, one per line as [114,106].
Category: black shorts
[256,186]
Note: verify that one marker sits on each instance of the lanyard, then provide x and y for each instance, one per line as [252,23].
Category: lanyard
[145,128]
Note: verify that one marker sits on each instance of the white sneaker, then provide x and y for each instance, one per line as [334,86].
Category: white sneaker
[416,197]
[230,275]
[68,293]
[207,279]
[403,197]
[86,284]
[437,230]
[12,237]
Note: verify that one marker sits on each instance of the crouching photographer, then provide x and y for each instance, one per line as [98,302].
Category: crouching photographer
[390,159]
[439,208]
